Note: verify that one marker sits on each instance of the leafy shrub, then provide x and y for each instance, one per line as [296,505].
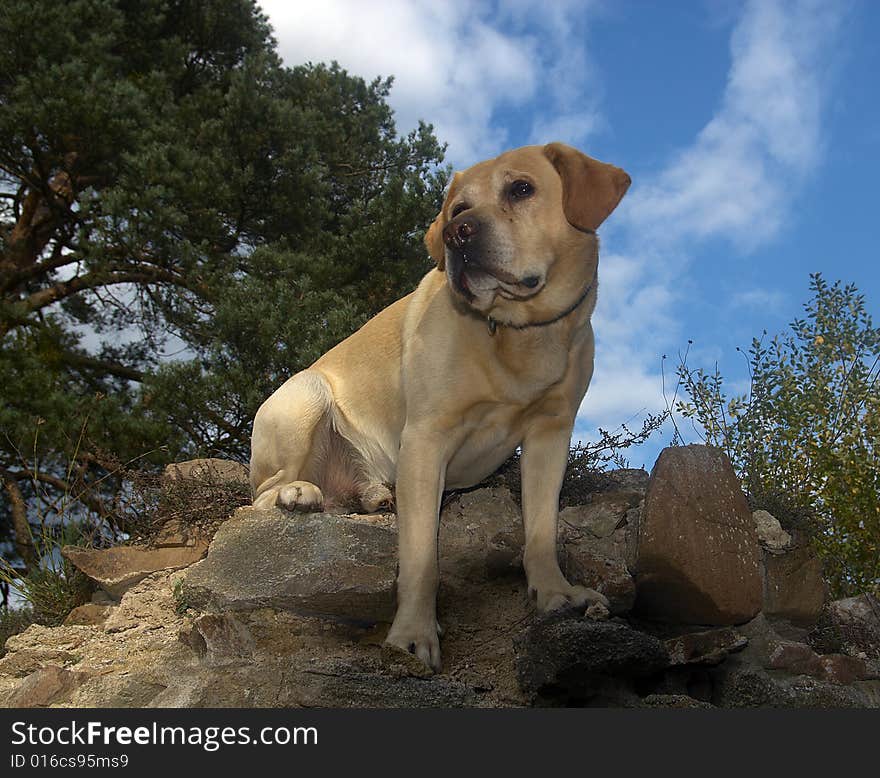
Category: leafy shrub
[587,462]
[806,436]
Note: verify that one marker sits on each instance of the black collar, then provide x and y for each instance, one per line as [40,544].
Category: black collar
[493,324]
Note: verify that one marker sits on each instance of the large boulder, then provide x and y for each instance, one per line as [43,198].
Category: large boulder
[322,564]
[698,554]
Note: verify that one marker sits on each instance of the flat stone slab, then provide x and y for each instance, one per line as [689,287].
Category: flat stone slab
[312,564]
[119,568]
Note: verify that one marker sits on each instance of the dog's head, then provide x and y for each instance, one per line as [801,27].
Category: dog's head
[516,234]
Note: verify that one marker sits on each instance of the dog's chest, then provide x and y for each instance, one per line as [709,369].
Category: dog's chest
[490,434]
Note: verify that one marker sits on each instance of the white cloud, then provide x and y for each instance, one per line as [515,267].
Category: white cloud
[739,178]
[455,63]
[758,298]
[737,181]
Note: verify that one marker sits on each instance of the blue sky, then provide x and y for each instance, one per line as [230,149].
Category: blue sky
[751,131]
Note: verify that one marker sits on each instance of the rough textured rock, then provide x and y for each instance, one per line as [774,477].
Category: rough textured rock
[576,655]
[796,658]
[42,687]
[850,626]
[793,585]
[843,669]
[673,701]
[481,532]
[221,639]
[744,686]
[608,576]
[607,526]
[116,569]
[770,532]
[153,648]
[125,666]
[319,564]
[708,647]
[698,554]
[89,614]
[210,470]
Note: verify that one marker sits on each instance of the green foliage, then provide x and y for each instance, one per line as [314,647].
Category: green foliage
[52,586]
[807,434]
[184,222]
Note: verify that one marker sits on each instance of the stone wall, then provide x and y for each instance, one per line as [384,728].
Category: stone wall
[710,605]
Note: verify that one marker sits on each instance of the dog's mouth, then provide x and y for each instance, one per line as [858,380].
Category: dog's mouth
[473,279]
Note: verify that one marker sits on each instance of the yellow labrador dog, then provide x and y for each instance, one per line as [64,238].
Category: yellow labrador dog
[493,350]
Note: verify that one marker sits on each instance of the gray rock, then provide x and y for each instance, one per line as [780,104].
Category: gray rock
[850,626]
[770,532]
[708,647]
[795,658]
[560,655]
[627,479]
[481,532]
[597,612]
[341,685]
[221,639]
[324,564]
[745,686]
[698,554]
[673,701]
[607,527]
[607,576]
[605,513]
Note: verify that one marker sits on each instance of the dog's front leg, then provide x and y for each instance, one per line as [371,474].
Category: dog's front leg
[421,471]
[544,459]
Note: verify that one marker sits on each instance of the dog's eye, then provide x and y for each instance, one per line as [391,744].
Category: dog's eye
[520,190]
[458,209]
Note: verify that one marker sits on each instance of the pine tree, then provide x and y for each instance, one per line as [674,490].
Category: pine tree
[184,222]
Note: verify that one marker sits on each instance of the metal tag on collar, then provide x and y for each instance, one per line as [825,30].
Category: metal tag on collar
[492,324]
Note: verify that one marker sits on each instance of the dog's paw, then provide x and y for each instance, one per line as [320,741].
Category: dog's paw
[578,597]
[300,496]
[376,497]
[420,639]
[552,592]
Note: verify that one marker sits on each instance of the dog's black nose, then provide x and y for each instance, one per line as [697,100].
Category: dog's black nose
[531,281]
[459,231]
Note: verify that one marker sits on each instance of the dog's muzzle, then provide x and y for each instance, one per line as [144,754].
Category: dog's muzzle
[471,266]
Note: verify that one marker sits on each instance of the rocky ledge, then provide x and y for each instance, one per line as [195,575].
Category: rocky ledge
[710,605]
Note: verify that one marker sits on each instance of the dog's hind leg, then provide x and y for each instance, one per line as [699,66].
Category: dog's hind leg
[287,430]
[375,497]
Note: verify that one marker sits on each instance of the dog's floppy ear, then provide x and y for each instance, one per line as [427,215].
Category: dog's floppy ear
[591,189]
[434,235]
